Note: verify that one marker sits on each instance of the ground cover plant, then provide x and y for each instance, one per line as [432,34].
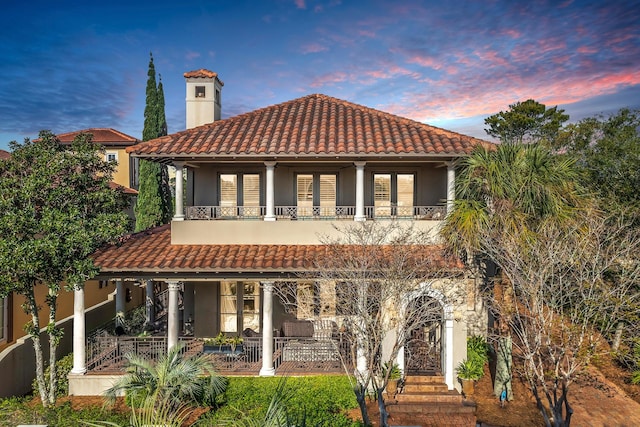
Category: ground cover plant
[17,411]
[323,400]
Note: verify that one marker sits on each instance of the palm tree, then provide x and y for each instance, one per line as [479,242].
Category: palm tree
[512,187]
[181,380]
[509,190]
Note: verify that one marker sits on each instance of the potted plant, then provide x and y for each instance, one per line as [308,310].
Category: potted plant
[394,376]
[223,344]
[469,371]
[235,343]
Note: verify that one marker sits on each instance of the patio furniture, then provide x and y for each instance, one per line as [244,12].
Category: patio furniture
[310,341]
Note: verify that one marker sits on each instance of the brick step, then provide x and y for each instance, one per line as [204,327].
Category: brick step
[421,379]
[434,397]
[424,387]
[431,408]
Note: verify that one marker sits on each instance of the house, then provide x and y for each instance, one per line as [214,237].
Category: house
[261,187]
[16,351]
[115,144]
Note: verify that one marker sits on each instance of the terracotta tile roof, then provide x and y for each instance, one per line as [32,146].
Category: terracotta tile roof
[102,136]
[151,251]
[314,125]
[126,190]
[5,155]
[203,74]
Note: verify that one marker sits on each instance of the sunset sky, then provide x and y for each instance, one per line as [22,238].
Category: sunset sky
[68,65]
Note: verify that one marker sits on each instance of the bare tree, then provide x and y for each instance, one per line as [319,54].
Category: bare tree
[566,288]
[371,275]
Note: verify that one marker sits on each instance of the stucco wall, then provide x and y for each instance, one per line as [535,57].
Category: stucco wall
[17,361]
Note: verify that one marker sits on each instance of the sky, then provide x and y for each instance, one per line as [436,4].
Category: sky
[69,65]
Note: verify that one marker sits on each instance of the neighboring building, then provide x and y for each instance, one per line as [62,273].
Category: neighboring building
[261,187]
[16,351]
[115,144]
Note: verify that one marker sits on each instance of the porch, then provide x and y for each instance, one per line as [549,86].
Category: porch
[106,355]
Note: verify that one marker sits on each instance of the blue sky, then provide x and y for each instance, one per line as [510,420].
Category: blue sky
[68,65]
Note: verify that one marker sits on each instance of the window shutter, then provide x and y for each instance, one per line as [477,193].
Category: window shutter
[251,190]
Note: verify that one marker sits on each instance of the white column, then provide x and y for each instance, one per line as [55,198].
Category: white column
[448,348]
[150,302]
[270,196]
[451,186]
[267,369]
[79,341]
[359,191]
[172,316]
[179,210]
[120,301]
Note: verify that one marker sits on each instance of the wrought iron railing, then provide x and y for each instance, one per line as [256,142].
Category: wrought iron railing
[108,353]
[316,212]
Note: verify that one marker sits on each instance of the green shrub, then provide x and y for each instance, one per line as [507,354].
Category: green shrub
[63,367]
[16,411]
[478,348]
[322,399]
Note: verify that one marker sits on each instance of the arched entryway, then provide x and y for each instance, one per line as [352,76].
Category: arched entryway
[423,347]
[429,341]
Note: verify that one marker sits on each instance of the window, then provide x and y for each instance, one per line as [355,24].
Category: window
[239,306]
[393,194]
[316,194]
[240,190]
[200,92]
[111,157]
[217,96]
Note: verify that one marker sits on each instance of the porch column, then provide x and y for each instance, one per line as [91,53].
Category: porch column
[451,186]
[359,191]
[172,315]
[267,369]
[79,350]
[179,210]
[448,348]
[120,302]
[150,302]
[270,215]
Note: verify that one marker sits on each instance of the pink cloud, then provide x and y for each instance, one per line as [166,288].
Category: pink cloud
[300,4]
[587,50]
[330,78]
[192,55]
[425,61]
[367,33]
[313,48]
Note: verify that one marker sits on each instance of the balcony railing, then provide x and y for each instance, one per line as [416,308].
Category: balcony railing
[316,212]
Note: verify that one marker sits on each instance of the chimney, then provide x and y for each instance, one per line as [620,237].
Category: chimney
[203,97]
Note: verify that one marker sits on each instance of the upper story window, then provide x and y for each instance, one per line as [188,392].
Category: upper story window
[316,190]
[200,92]
[111,157]
[393,193]
[217,98]
[239,190]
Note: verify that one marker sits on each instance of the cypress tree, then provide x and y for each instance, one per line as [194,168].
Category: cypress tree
[153,206]
[165,188]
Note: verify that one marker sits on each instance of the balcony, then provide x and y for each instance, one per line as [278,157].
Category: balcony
[317,213]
